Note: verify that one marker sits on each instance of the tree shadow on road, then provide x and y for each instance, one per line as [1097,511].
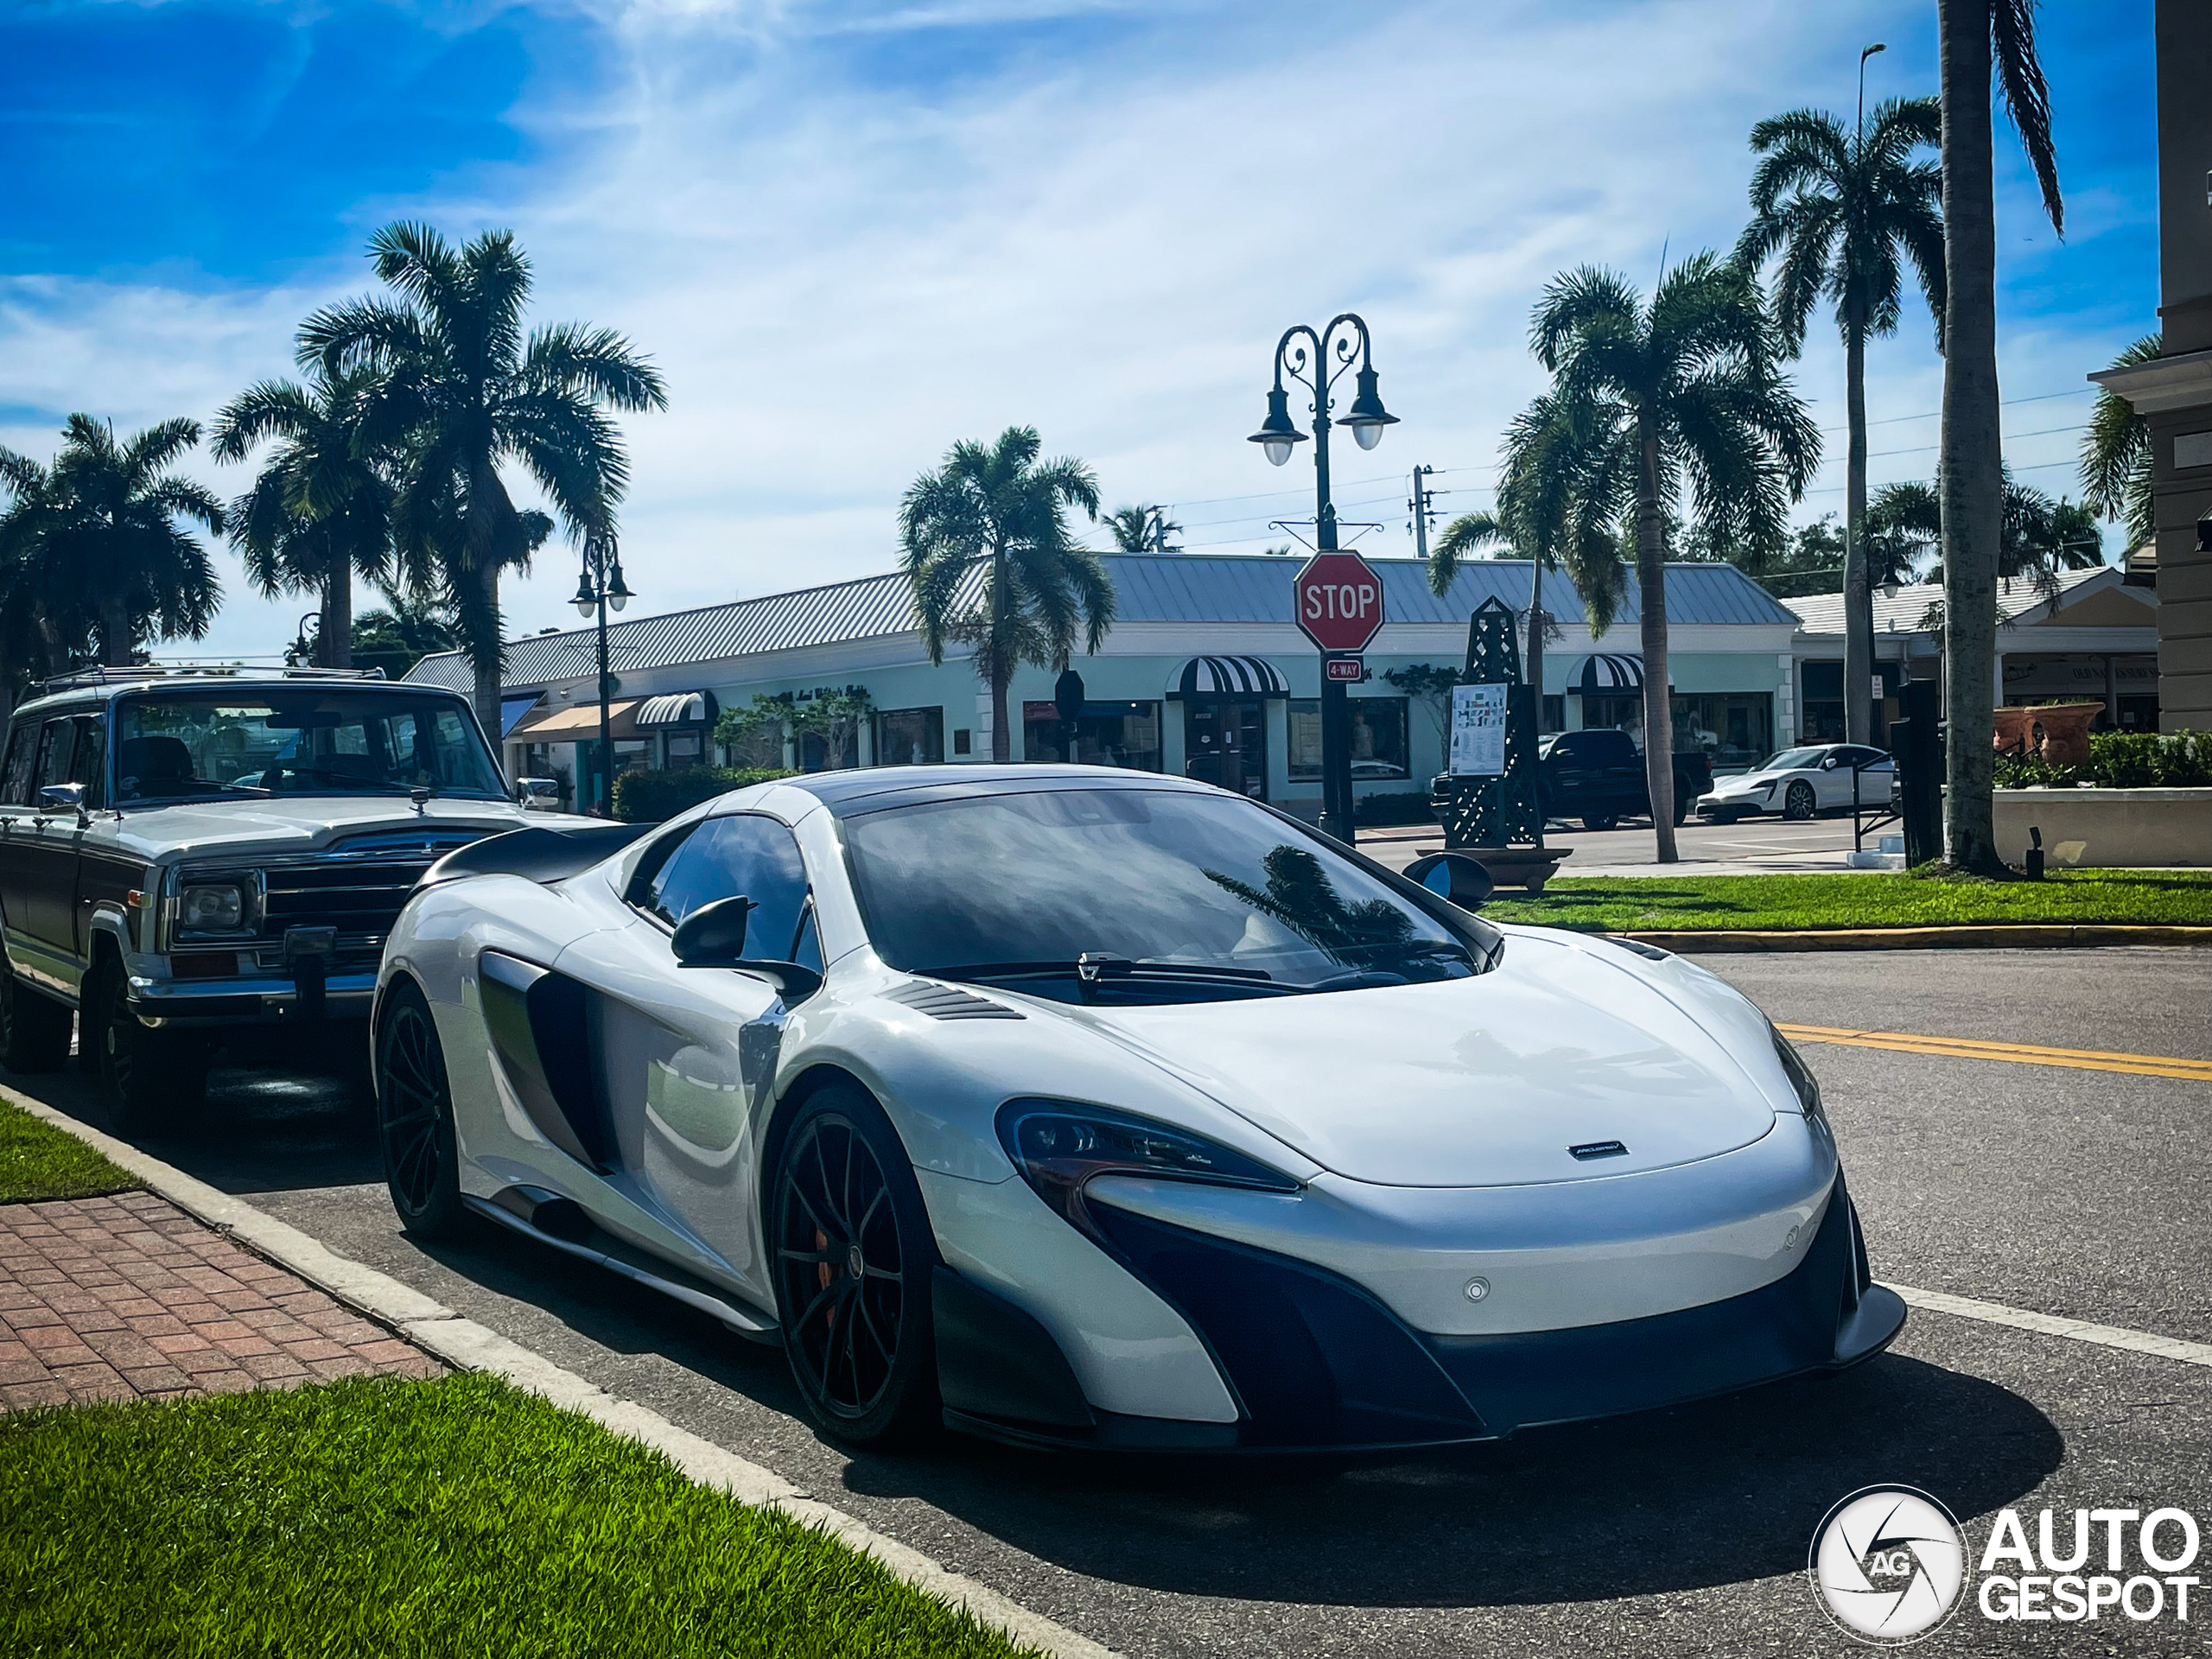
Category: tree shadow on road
[1717,1493]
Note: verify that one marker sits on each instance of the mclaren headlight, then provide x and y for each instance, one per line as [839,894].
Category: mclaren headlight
[1801,1079]
[1058,1145]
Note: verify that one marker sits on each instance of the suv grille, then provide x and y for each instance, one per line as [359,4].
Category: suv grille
[360,899]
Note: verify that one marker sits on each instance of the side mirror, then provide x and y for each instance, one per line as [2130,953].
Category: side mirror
[1828,763]
[713,936]
[1453,876]
[64,798]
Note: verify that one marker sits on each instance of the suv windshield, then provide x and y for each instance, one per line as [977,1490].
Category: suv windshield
[1173,895]
[318,741]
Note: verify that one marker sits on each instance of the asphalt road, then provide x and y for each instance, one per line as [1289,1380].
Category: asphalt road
[2075,1193]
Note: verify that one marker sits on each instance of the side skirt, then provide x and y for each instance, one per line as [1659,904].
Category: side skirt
[561,1223]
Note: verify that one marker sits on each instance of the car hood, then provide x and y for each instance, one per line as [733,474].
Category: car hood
[1747,780]
[292,826]
[1480,1082]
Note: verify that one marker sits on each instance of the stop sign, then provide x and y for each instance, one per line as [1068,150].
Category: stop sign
[1337,600]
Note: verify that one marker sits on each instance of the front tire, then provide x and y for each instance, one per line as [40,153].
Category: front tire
[154,1078]
[854,1256]
[1798,802]
[1598,823]
[33,1030]
[422,1156]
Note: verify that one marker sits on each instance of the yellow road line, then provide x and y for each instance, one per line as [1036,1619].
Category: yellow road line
[1968,1048]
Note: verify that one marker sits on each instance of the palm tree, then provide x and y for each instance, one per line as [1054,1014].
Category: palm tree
[1142,530]
[33,639]
[109,540]
[465,391]
[2116,454]
[1650,399]
[1042,588]
[2040,537]
[319,514]
[1976,38]
[399,634]
[1840,204]
[1535,519]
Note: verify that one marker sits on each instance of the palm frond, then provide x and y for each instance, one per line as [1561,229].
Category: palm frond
[2027,95]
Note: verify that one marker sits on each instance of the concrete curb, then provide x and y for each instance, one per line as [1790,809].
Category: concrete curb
[1995,937]
[467,1345]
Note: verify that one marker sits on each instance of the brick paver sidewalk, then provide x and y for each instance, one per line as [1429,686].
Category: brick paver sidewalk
[127,1298]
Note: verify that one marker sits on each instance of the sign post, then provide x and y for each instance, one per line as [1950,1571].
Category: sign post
[1337,598]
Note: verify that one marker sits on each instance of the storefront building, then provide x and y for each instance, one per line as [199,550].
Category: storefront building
[2095,639]
[1203,674]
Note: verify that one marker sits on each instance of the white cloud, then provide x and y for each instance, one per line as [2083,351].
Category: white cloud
[842,269]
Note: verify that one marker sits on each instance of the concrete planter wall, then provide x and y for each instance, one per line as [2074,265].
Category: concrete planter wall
[2107,829]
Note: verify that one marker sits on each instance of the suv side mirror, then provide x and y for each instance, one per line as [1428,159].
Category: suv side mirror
[1453,876]
[64,798]
[713,936]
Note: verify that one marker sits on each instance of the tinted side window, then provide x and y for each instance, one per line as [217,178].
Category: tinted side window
[22,751]
[57,747]
[90,765]
[1606,749]
[747,855]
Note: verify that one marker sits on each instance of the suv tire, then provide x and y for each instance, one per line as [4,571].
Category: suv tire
[154,1078]
[34,1030]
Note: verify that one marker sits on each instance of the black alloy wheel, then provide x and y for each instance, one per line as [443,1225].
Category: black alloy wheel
[1798,801]
[154,1078]
[34,1032]
[422,1160]
[854,1257]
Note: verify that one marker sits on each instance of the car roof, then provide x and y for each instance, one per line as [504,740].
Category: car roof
[872,788]
[87,697]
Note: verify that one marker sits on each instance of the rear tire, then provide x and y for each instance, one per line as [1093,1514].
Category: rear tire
[853,1255]
[1598,823]
[1798,802]
[155,1079]
[421,1157]
[34,1030]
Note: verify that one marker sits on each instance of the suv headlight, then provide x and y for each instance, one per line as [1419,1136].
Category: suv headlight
[1058,1145]
[215,907]
[1801,1079]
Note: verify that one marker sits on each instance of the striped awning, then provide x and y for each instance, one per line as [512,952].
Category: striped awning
[677,708]
[1228,677]
[1603,674]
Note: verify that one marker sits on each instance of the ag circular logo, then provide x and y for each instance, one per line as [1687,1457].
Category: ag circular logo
[1888,1563]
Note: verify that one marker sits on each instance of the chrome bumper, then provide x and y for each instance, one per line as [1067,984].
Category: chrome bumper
[246,1001]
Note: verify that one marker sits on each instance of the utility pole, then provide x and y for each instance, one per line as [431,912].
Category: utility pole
[1423,496]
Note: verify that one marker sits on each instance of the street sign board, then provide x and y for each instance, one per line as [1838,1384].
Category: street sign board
[1478,730]
[1338,600]
[1350,669]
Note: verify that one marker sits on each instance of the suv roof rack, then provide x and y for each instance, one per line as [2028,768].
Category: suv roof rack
[138,673]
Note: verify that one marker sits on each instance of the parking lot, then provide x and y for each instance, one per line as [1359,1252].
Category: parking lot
[2069,1191]
[1750,847]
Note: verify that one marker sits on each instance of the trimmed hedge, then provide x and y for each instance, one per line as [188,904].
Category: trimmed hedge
[650,797]
[2120,760]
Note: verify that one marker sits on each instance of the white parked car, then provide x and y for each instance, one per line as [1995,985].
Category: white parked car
[1804,782]
[1074,1106]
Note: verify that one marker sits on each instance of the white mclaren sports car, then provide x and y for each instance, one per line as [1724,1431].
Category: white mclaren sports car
[1087,1108]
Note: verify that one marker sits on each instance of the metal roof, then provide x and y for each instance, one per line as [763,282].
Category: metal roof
[1151,587]
[1905,610]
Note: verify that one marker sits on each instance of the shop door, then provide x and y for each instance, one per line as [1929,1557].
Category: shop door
[1225,743]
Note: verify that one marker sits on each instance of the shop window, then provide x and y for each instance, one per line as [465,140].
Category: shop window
[1106,735]
[1734,730]
[909,737]
[684,748]
[964,741]
[1378,737]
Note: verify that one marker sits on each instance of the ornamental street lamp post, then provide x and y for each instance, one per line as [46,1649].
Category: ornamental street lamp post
[599,586]
[1334,351]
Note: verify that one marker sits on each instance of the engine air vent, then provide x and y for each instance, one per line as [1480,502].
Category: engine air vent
[943,1002]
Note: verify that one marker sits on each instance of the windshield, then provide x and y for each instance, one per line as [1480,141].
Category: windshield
[1793,760]
[318,741]
[1175,896]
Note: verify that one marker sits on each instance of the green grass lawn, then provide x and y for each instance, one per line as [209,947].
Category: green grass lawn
[377,1517]
[1880,900]
[39,1161]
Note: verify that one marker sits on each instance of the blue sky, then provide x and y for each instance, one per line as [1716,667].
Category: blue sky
[852,231]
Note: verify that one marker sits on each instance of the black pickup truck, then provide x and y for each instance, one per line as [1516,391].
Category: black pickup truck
[1598,777]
